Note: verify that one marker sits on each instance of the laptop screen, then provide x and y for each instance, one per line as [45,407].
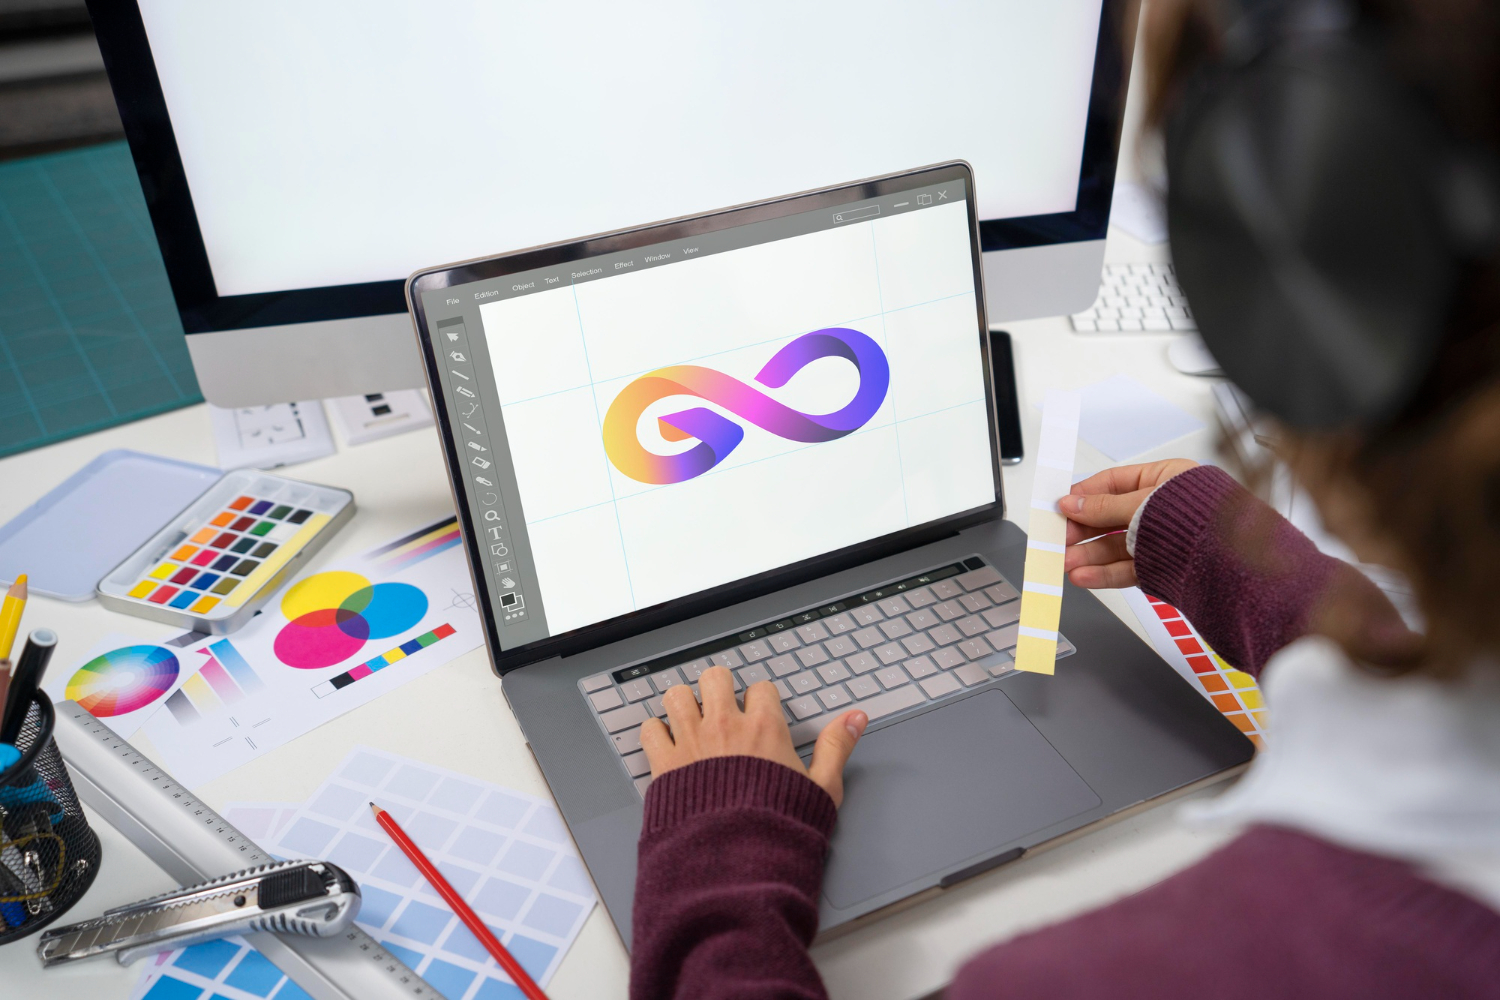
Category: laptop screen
[648,424]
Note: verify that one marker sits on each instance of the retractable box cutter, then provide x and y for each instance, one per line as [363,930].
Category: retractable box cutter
[314,898]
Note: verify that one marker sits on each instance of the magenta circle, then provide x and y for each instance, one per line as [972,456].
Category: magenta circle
[312,642]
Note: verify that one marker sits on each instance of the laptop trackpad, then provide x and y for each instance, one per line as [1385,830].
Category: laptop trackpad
[950,786]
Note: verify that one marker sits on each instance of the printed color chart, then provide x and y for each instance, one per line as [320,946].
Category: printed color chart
[330,616]
[122,679]
[328,643]
[1232,691]
[223,679]
[369,667]
[227,969]
[508,854]
[423,543]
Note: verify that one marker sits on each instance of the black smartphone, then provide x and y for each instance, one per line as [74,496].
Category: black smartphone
[1007,400]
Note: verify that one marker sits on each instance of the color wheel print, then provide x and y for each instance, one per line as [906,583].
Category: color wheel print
[123,680]
[331,615]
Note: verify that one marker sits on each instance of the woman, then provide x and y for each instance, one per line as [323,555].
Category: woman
[1370,861]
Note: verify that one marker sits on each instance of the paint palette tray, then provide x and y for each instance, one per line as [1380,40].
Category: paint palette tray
[213,565]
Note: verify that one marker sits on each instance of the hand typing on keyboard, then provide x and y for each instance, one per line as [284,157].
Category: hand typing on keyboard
[720,729]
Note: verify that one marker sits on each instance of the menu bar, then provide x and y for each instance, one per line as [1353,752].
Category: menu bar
[734,238]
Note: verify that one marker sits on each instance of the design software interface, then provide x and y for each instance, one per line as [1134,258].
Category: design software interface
[645,425]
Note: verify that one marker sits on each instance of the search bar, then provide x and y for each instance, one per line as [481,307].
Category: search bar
[855,214]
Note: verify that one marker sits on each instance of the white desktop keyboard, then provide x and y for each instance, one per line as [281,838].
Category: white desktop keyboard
[1136,297]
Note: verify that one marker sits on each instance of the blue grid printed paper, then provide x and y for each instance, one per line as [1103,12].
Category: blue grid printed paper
[227,969]
[509,854]
[89,333]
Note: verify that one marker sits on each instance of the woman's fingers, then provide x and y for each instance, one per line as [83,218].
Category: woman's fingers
[716,688]
[682,712]
[657,743]
[1120,479]
[1099,552]
[1098,510]
[1082,532]
[1111,576]
[1109,499]
[761,697]
[1102,510]
[831,752]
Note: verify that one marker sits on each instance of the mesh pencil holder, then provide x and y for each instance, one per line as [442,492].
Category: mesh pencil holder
[48,854]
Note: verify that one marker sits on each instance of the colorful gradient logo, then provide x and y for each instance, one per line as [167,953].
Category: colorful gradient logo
[717,436]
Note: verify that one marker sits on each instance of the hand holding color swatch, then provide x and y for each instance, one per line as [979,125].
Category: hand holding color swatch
[718,436]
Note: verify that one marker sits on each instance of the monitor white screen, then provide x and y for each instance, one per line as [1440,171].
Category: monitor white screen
[330,144]
[827,388]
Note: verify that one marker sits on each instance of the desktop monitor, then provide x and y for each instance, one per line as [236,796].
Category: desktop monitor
[299,160]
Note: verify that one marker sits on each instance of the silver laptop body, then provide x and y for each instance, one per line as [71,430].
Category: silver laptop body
[764,438]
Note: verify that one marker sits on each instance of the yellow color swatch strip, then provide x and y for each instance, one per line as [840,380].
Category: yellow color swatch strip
[1047,534]
[279,558]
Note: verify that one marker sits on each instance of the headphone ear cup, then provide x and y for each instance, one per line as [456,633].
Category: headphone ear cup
[1306,234]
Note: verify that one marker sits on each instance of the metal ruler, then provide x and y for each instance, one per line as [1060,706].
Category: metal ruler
[192,843]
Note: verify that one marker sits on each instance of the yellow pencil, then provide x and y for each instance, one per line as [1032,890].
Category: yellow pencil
[10,615]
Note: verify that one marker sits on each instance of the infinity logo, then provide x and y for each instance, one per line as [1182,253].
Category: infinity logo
[717,436]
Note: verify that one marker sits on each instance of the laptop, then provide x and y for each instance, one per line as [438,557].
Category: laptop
[764,438]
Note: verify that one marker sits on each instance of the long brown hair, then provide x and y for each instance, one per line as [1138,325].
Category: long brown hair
[1427,482]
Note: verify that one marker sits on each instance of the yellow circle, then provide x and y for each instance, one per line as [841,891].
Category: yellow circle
[323,590]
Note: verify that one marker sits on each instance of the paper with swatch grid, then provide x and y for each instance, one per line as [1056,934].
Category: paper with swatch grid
[1047,534]
[286,706]
[508,854]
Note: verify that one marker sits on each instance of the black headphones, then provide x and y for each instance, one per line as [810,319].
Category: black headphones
[1321,214]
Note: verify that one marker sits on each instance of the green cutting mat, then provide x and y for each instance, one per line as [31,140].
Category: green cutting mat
[89,334]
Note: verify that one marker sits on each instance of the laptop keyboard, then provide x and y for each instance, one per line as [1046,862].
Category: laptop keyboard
[898,647]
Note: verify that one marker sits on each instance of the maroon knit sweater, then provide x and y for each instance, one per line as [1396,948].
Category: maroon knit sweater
[732,849]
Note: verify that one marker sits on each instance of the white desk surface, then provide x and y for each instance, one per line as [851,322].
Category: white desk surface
[456,717]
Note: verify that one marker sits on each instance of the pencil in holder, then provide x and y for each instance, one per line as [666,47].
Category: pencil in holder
[48,854]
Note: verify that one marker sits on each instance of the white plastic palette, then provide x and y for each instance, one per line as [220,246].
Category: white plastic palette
[84,526]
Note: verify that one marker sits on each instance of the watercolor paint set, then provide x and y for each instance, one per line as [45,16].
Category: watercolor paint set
[214,564]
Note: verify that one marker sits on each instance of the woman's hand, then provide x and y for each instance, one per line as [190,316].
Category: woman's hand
[1103,504]
[720,729]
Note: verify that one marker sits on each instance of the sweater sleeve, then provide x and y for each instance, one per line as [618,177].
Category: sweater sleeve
[1275,913]
[1246,578]
[730,867]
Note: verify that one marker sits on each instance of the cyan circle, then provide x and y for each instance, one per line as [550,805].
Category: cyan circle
[388,608]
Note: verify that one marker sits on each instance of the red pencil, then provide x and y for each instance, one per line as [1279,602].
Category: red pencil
[471,919]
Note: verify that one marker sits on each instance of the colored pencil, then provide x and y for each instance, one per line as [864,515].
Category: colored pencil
[10,615]
[471,919]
